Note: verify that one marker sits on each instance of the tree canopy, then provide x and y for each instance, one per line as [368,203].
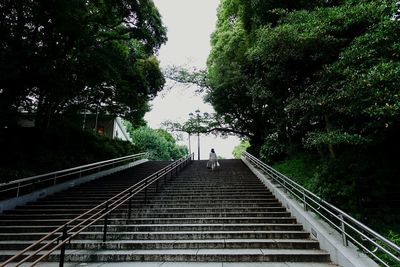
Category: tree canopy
[158,143]
[320,74]
[67,56]
[314,81]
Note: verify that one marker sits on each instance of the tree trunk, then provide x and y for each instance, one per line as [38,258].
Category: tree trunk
[256,142]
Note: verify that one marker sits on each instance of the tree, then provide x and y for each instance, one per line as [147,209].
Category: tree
[237,150]
[264,72]
[62,56]
[314,79]
[158,143]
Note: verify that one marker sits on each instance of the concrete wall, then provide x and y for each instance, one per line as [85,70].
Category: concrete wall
[329,239]
[12,203]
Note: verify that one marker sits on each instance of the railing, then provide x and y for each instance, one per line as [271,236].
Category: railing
[373,244]
[58,239]
[24,186]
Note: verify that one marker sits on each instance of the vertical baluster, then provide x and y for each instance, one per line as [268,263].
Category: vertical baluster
[145,192]
[130,205]
[305,200]
[105,223]
[62,248]
[343,227]
[18,186]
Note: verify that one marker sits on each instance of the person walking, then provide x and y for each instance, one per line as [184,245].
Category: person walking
[213,161]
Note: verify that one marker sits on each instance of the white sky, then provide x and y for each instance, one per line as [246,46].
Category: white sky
[189,24]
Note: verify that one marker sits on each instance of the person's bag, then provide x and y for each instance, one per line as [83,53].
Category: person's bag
[218,164]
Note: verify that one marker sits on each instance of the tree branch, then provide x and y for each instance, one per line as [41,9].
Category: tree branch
[228,130]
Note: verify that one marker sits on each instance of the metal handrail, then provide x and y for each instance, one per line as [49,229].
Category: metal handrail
[56,176]
[62,235]
[346,225]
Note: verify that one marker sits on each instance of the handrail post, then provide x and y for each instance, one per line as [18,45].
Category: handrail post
[343,227]
[284,186]
[105,223]
[18,186]
[130,205]
[305,200]
[157,182]
[55,179]
[145,193]
[62,248]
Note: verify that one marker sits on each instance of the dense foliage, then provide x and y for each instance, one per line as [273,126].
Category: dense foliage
[60,57]
[158,143]
[320,79]
[237,150]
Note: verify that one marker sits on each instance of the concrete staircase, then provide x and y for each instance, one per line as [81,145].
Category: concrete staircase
[226,215]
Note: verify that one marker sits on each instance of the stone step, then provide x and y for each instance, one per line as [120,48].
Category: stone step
[99,188]
[183,235]
[147,215]
[174,188]
[159,220]
[211,210]
[96,195]
[211,186]
[199,196]
[215,214]
[175,184]
[192,255]
[188,264]
[209,202]
[189,195]
[154,210]
[78,198]
[151,195]
[169,188]
[159,202]
[165,227]
[151,205]
[216,193]
[196,198]
[177,244]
